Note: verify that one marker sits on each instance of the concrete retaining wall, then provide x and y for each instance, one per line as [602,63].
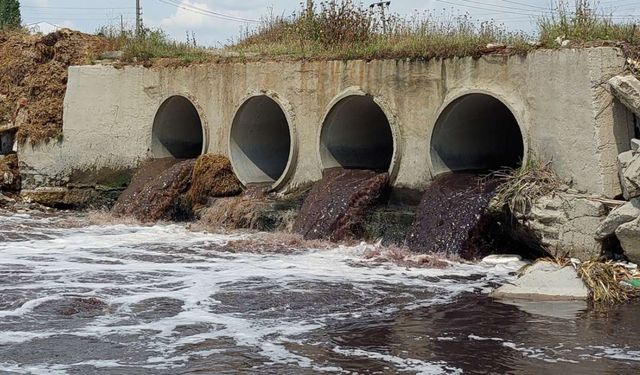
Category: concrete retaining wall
[559,99]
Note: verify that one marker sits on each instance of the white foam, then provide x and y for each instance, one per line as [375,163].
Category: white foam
[126,265]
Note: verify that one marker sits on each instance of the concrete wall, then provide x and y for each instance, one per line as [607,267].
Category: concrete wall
[558,97]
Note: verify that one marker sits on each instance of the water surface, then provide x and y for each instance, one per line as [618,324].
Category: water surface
[124,299]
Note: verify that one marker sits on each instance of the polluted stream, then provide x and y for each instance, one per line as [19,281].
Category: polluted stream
[81,298]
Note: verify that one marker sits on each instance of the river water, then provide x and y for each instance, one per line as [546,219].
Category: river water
[77,298]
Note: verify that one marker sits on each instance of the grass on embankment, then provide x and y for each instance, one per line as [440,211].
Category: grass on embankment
[344,30]
[153,44]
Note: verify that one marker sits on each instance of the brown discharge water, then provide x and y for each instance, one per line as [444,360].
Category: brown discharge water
[212,177]
[335,206]
[172,189]
[161,299]
[150,199]
[452,218]
[9,174]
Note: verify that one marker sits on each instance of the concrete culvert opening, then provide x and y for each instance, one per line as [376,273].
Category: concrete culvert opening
[260,141]
[356,134]
[177,130]
[476,132]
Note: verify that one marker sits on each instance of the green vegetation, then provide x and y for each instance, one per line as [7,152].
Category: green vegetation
[584,24]
[342,29]
[153,44]
[345,30]
[10,14]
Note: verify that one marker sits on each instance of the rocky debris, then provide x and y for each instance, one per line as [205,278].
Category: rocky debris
[629,174]
[627,90]
[619,216]
[451,218]
[33,78]
[163,197]
[336,205]
[9,173]
[545,281]
[566,223]
[213,177]
[629,236]
[493,48]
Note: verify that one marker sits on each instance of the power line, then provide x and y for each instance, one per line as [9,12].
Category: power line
[79,8]
[506,7]
[488,9]
[524,4]
[207,12]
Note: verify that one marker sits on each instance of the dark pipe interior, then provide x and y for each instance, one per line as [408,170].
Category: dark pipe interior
[356,135]
[260,141]
[476,132]
[177,130]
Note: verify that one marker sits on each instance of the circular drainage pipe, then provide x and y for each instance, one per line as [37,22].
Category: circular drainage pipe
[356,134]
[177,130]
[476,132]
[262,142]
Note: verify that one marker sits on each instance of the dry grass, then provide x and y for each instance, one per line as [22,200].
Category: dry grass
[603,279]
[152,44]
[523,186]
[584,22]
[344,30]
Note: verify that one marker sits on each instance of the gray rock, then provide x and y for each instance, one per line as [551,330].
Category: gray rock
[627,90]
[566,223]
[629,236]
[586,208]
[629,173]
[545,281]
[621,215]
[635,145]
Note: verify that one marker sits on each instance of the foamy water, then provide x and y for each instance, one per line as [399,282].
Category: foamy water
[163,299]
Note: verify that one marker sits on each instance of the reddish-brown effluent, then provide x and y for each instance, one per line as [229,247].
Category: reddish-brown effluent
[334,208]
[451,216]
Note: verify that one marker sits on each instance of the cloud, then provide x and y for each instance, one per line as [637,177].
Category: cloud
[184,18]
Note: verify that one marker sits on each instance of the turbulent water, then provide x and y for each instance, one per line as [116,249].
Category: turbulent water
[122,299]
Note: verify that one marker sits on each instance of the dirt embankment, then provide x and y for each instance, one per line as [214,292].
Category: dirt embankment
[33,78]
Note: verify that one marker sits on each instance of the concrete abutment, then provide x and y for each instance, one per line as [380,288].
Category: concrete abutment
[278,139]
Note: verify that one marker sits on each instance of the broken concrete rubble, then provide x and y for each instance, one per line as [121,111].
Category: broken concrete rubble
[545,281]
[629,236]
[565,224]
[621,215]
[629,173]
[627,90]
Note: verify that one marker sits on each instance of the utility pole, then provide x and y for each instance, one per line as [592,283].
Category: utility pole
[138,18]
[309,7]
[121,24]
[382,5]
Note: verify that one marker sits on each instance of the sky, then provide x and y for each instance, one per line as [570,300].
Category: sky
[218,22]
